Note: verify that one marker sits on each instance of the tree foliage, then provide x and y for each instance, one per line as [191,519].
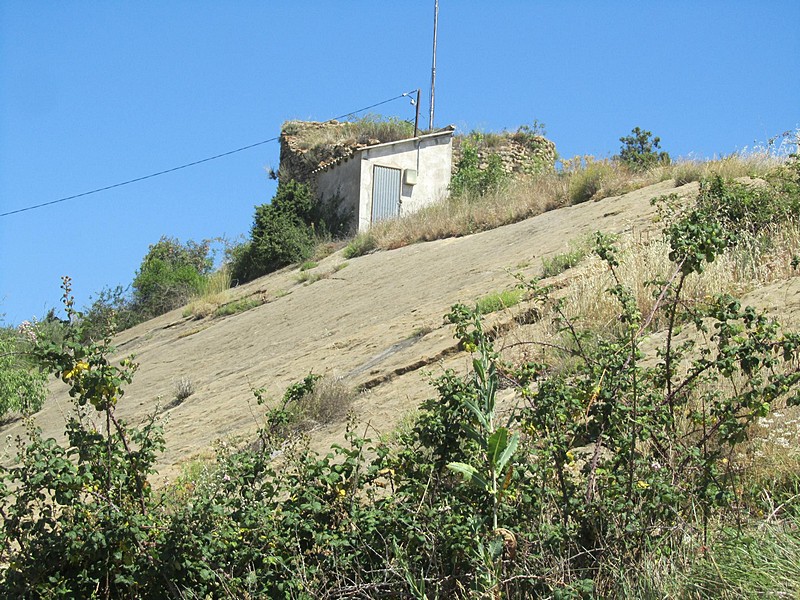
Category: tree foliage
[22,385]
[283,232]
[170,273]
[640,150]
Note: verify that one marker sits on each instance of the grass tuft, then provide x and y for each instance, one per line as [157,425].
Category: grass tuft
[213,293]
[363,243]
[237,306]
[499,301]
[566,260]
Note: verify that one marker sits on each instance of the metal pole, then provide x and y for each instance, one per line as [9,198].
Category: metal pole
[416,118]
[433,67]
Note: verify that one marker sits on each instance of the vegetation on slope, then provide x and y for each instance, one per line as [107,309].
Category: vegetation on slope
[291,228]
[624,469]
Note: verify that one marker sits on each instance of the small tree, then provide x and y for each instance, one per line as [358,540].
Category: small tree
[170,274]
[639,151]
[22,387]
[282,233]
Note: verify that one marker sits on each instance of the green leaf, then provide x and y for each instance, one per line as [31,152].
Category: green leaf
[469,473]
[497,444]
[508,452]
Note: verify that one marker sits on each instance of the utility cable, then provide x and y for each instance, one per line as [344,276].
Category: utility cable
[187,165]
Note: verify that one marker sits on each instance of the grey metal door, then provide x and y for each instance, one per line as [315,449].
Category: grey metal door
[385,193]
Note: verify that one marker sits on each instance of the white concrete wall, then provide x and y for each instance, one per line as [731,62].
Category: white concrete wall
[341,184]
[430,156]
[351,181]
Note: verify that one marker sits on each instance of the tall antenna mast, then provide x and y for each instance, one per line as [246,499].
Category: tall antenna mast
[433,67]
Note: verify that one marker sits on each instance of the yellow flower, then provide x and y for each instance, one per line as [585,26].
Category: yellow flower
[75,371]
[643,485]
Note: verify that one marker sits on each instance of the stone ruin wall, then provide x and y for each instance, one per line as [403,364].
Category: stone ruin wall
[300,163]
[516,157]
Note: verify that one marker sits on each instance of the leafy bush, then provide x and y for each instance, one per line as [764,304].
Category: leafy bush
[170,274]
[744,209]
[111,308]
[79,522]
[470,178]
[639,151]
[22,385]
[284,232]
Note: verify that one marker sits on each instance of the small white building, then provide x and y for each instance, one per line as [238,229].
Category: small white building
[388,180]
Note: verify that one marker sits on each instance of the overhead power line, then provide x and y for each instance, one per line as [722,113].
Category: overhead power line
[187,165]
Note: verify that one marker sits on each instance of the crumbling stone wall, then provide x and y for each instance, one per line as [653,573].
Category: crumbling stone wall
[518,154]
[309,146]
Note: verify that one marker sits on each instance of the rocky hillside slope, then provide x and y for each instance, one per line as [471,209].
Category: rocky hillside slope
[376,324]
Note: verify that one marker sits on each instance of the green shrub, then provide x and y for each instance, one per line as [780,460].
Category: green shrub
[22,384]
[111,308]
[639,151]
[170,274]
[283,232]
[81,521]
[470,178]
[749,209]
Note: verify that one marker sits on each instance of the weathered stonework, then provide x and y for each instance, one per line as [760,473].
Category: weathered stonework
[535,154]
[310,146]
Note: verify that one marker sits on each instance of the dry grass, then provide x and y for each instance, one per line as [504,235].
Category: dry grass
[740,269]
[458,216]
[360,131]
[329,401]
[580,179]
[213,295]
[594,179]
[756,165]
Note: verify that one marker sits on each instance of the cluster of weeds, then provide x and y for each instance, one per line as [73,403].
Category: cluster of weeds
[363,243]
[307,277]
[238,306]
[620,473]
[559,263]
[498,301]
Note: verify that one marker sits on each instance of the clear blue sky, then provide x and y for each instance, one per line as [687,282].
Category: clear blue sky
[95,93]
